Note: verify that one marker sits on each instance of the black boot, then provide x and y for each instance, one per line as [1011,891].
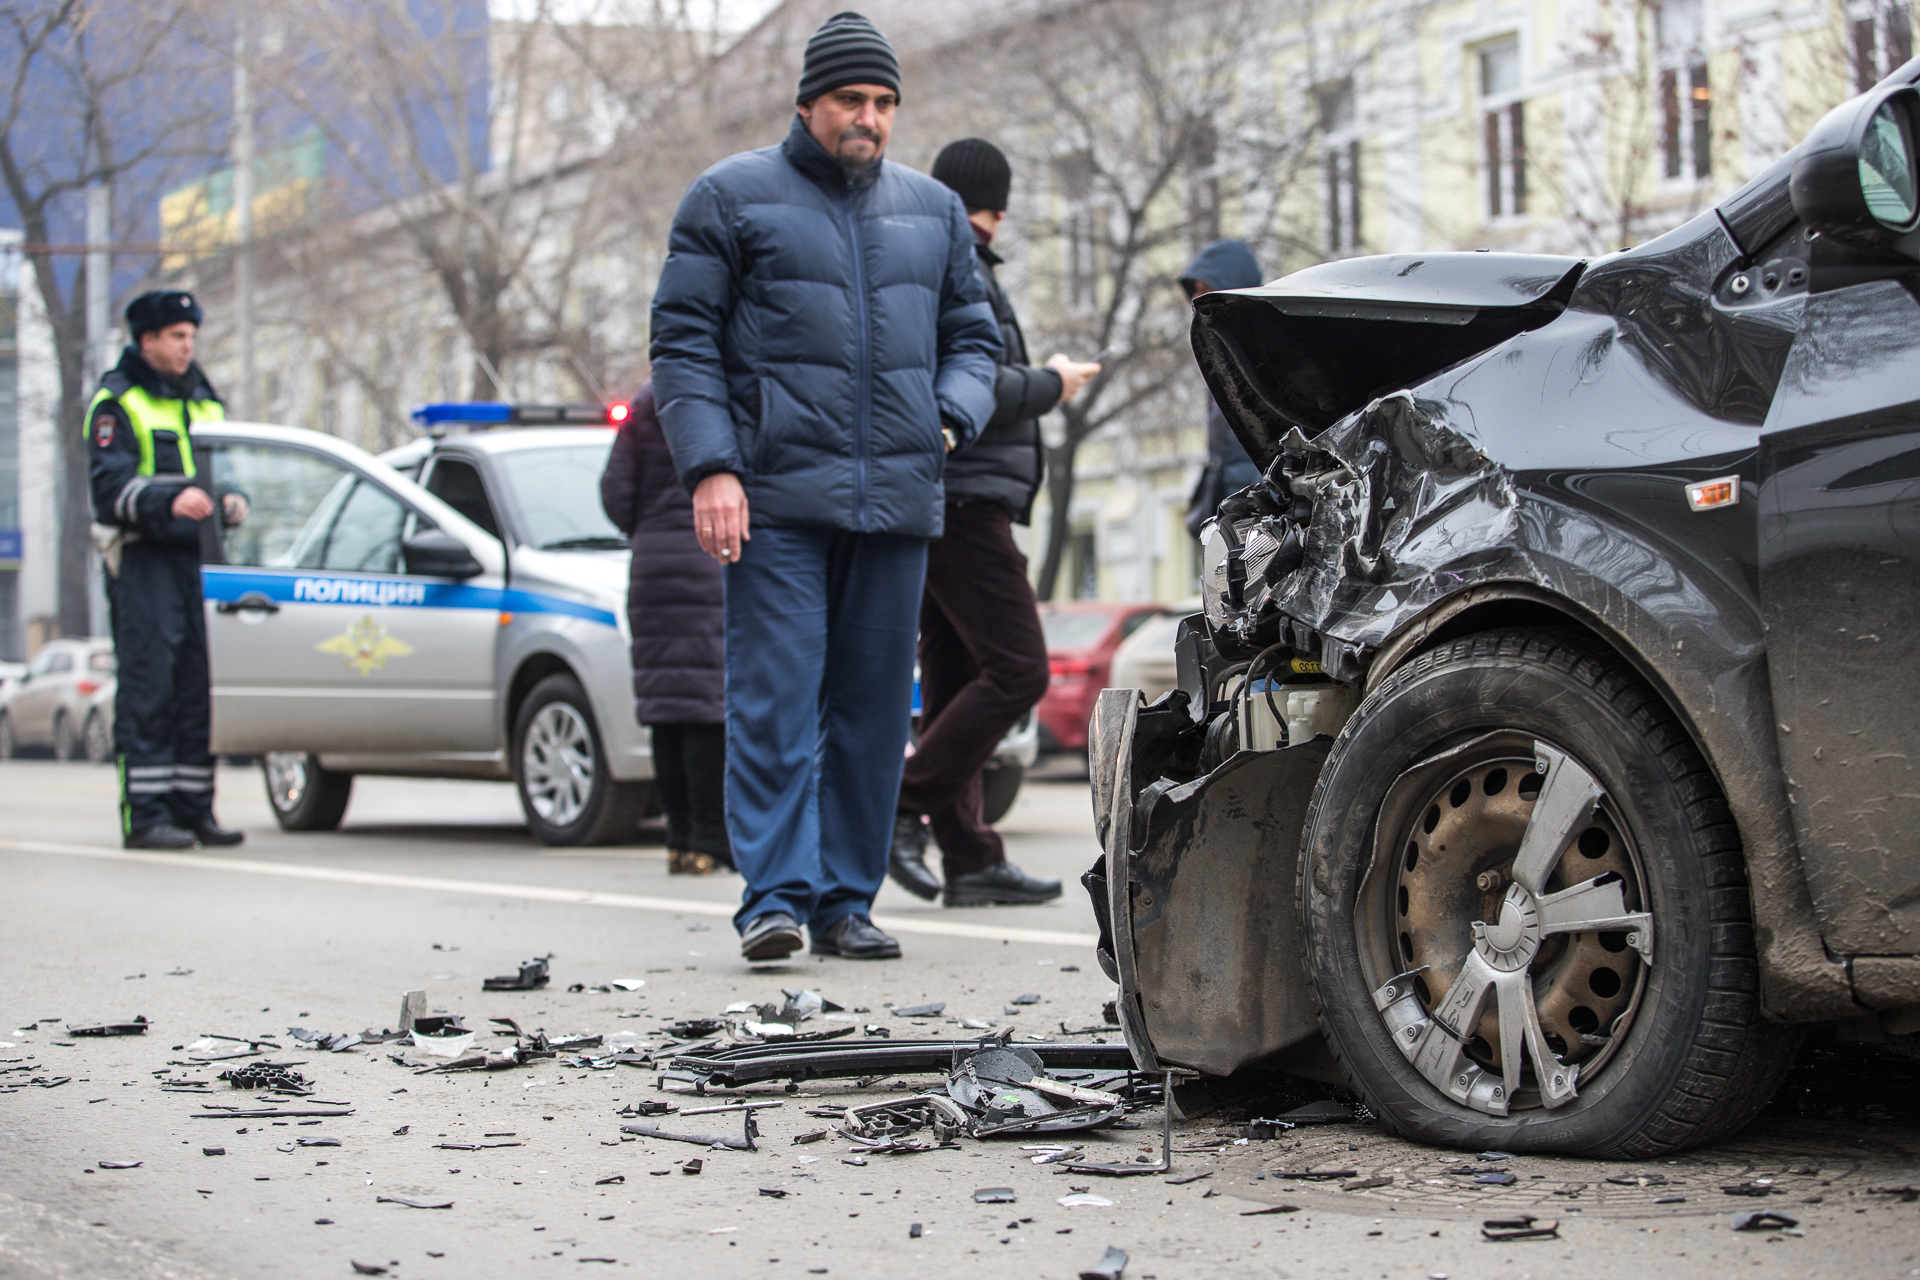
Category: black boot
[213,835]
[907,863]
[855,938]
[161,835]
[1000,884]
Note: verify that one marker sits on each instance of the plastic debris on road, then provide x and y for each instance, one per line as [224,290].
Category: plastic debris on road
[532,976]
[1111,1264]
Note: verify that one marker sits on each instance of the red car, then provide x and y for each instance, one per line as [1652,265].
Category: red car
[1081,639]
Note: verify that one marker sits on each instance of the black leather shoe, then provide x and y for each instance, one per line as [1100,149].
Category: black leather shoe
[907,864]
[855,938]
[773,936]
[161,835]
[213,835]
[1001,884]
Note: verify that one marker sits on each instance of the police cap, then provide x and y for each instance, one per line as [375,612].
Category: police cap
[158,308]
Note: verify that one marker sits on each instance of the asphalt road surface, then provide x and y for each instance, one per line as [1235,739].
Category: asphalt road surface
[436,886]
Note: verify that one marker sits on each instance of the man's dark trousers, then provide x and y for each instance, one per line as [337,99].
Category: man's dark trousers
[162,704]
[820,639]
[983,665]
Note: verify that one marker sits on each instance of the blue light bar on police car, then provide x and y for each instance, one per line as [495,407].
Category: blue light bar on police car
[498,413]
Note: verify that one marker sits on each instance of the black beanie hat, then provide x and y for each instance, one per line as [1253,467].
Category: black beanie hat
[159,308]
[847,49]
[977,171]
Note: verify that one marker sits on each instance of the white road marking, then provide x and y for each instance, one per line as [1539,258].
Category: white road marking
[524,892]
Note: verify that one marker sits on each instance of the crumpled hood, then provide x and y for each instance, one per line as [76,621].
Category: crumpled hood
[1310,348]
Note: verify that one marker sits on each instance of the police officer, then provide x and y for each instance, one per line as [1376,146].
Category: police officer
[156,509]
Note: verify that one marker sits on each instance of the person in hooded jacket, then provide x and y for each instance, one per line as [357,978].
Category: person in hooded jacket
[1224,264]
[983,660]
[675,617]
[155,518]
[820,341]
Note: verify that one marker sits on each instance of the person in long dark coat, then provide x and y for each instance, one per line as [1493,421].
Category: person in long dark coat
[676,612]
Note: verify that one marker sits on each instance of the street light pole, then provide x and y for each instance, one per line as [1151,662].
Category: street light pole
[243,214]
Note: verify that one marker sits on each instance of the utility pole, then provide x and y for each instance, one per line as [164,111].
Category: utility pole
[243,213]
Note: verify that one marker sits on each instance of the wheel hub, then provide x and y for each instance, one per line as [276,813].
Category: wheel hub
[1504,999]
[1512,943]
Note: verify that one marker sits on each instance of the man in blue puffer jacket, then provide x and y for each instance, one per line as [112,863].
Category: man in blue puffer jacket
[820,341]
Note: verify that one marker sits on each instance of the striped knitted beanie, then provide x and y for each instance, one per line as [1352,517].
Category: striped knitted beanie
[847,49]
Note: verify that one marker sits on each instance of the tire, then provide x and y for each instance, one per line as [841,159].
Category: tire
[97,739]
[9,746]
[66,745]
[305,797]
[560,767]
[1000,787]
[1411,838]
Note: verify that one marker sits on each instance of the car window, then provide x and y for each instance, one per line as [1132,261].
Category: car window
[1137,621]
[556,491]
[457,484]
[59,662]
[357,530]
[1074,630]
[306,511]
[41,660]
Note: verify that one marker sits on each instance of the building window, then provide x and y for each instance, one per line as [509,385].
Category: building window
[1340,166]
[1203,185]
[1503,129]
[1882,43]
[1083,566]
[1686,95]
[1082,230]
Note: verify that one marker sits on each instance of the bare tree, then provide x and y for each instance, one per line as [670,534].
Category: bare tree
[1148,121]
[486,157]
[97,94]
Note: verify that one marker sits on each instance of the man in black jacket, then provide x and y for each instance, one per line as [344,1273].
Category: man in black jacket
[983,661]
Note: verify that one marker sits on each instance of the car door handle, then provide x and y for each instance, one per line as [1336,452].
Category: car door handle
[251,600]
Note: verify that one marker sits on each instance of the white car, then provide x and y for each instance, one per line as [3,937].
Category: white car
[471,624]
[62,701]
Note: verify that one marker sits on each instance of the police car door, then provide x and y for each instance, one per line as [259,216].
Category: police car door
[320,638]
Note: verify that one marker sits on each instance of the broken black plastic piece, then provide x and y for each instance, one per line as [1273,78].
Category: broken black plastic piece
[1524,1227]
[1272,1208]
[137,1027]
[414,1204]
[921,1010]
[736,1065]
[1111,1264]
[267,1075]
[532,976]
[1763,1220]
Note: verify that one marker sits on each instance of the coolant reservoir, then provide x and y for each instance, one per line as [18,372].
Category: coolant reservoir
[1319,708]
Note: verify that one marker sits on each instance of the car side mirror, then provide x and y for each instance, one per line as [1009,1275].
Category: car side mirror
[1857,179]
[435,553]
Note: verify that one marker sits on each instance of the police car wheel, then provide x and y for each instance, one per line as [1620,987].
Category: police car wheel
[98,738]
[1525,911]
[560,767]
[304,796]
[1000,787]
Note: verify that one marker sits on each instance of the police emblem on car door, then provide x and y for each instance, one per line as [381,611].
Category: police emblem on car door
[320,639]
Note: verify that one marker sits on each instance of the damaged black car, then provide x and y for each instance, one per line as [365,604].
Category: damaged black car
[1540,763]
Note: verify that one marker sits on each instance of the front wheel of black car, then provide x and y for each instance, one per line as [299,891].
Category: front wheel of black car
[1526,911]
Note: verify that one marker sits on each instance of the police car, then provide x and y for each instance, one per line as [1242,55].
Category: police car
[455,608]
[463,617]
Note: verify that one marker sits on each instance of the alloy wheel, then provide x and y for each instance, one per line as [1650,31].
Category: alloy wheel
[558,764]
[1506,910]
[286,779]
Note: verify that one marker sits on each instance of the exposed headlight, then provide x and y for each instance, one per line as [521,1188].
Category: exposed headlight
[1216,548]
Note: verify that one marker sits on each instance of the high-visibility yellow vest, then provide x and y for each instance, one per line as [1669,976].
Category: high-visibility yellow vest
[149,415]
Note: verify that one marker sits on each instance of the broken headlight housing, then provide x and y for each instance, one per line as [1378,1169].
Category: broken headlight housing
[1217,562]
